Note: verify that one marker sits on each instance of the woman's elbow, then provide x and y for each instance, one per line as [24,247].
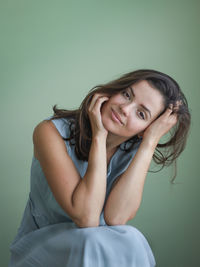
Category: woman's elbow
[87,222]
[118,220]
[114,221]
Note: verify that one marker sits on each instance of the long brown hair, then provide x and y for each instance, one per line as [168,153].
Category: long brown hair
[166,153]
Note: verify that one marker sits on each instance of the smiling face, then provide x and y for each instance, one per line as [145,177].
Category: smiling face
[131,111]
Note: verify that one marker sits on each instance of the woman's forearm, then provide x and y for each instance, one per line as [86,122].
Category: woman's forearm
[89,196]
[126,195]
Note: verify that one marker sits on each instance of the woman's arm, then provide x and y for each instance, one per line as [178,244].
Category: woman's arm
[126,194]
[89,195]
[81,198]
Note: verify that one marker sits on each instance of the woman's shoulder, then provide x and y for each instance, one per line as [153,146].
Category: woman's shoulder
[46,130]
[62,125]
[47,134]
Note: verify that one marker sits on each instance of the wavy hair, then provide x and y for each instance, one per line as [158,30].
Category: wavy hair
[165,153]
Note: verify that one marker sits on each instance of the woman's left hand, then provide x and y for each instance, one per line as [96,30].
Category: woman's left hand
[162,125]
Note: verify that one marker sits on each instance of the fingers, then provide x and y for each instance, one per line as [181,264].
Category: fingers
[168,112]
[94,113]
[164,123]
[97,101]
[177,105]
[170,116]
[173,109]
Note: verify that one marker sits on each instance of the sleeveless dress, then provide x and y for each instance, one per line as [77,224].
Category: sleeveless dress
[47,236]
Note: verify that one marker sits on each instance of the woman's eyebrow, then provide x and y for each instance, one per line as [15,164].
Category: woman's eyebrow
[144,107]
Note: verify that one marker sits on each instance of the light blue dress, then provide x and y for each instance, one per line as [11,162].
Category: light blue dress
[47,237]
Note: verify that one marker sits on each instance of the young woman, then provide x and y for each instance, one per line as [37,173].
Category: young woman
[88,172]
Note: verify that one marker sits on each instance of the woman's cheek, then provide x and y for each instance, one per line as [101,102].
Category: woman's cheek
[103,109]
[136,126]
[105,115]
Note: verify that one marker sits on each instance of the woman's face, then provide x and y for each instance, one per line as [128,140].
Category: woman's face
[131,111]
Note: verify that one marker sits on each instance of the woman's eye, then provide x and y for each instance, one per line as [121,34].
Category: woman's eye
[142,115]
[126,94]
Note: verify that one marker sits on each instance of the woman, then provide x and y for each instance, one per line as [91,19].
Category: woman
[88,173]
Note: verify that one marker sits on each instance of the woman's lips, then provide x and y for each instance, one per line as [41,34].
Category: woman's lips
[116,117]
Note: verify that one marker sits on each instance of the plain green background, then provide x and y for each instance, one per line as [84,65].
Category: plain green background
[54,52]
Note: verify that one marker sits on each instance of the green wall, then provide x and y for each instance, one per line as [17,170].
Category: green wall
[53,52]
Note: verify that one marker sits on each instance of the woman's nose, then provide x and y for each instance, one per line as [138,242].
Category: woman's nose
[126,108]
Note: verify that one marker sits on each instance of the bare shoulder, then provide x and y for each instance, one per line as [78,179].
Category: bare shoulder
[45,125]
[45,132]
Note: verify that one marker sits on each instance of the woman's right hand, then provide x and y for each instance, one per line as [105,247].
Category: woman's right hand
[94,113]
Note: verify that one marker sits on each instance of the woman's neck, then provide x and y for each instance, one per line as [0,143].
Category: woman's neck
[112,142]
